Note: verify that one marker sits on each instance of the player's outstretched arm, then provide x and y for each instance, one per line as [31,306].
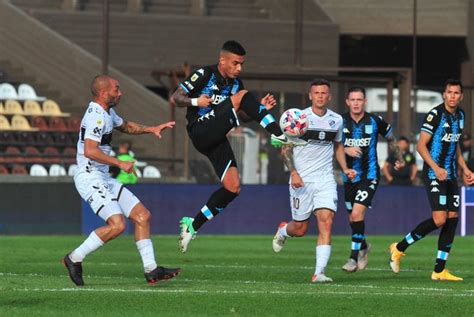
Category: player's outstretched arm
[422,148]
[135,128]
[92,152]
[395,149]
[181,99]
[340,155]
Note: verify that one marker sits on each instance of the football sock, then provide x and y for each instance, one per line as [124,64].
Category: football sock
[445,241]
[323,252]
[420,231]
[145,248]
[283,233]
[358,228]
[259,113]
[91,244]
[217,202]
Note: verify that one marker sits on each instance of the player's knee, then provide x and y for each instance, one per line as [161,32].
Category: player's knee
[233,188]
[237,98]
[300,230]
[439,221]
[117,228]
[143,217]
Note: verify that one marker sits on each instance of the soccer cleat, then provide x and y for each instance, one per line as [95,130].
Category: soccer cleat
[187,233]
[74,269]
[278,240]
[320,278]
[161,274]
[279,141]
[395,257]
[350,266]
[363,258]
[444,275]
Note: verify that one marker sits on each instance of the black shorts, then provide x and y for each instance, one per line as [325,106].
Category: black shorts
[361,193]
[443,195]
[209,136]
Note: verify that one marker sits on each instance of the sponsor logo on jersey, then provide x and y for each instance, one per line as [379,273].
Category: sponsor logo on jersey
[435,190]
[194,77]
[322,135]
[357,142]
[451,137]
[99,122]
[217,99]
[369,129]
[97,131]
[429,118]
[434,183]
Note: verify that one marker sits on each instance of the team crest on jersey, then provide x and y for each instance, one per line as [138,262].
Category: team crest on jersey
[194,77]
[90,110]
[322,135]
[369,129]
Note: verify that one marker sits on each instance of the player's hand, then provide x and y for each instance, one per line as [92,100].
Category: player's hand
[127,167]
[268,101]
[353,151]
[296,180]
[350,173]
[441,174]
[389,178]
[399,165]
[468,177]
[157,130]
[204,101]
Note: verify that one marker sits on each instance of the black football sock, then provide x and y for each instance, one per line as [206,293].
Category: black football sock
[259,113]
[420,231]
[358,229]
[445,242]
[216,203]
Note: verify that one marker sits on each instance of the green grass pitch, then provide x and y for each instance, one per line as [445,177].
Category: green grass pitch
[230,276]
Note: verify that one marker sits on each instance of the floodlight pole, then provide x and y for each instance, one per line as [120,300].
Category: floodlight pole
[105,37]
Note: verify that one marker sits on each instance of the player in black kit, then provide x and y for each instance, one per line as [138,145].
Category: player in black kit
[215,99]
[439,147]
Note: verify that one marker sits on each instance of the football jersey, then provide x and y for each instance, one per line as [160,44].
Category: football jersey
[208,81]
[445,129]
[96,125]
[315,159]
[364,135]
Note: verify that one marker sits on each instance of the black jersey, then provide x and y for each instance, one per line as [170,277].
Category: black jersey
[208,81]
[364,134]
[445,129]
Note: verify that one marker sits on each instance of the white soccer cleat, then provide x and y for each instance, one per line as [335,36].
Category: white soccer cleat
[363,258]
[279,141]
[278,240]
[321,278]
[350,266]
[187,233]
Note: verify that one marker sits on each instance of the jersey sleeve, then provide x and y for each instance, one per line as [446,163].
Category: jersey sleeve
[339,133]
[193,85]
[93,126]
[237,86]
[431,121]
[384,128]
[116,119]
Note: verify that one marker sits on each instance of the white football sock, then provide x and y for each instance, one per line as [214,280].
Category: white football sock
[323,252]
[91,244]
[145,247]
[283,232]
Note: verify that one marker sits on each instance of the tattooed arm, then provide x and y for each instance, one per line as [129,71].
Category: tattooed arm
[287,156]
[393,148]
[135,128]
[181,99]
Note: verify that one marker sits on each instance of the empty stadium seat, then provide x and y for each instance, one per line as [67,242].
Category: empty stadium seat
[25,138]
[2,108]
[25,91]
[32,108]
[13,107]
[70,152]
[43,139]
[7,138]
[20,123]
[73,124]
[151,172]
[18,169]
[7,91]
[71,171]
[4,123]
[57,124]
[57,170]
[38,170]
[51,151]
[3,170]
[40,123]
[51,108]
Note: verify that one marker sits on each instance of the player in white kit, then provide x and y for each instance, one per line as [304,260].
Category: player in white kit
[313,189]
[106,196]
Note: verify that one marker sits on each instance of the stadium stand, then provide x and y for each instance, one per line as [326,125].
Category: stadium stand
[7,91]
[38,170]
[51,108]
[13,107]
[19,169]
[20,123]
[26,92]
[32,108]
[4,123]
[57,170]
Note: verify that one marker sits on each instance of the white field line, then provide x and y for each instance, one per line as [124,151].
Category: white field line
[468,292]
[317,292]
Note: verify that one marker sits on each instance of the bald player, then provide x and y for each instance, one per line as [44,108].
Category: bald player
[108,198]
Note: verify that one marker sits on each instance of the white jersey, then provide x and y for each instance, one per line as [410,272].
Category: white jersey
[96,125]
[315,159]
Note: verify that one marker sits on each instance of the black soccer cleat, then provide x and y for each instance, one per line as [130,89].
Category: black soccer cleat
[74,270]
[161,274]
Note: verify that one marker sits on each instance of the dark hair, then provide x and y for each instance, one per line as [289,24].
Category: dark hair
[403,138]
[453,82]
[234,47]
[320,82]
[356,89]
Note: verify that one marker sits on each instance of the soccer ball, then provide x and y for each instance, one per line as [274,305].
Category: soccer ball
[293,122]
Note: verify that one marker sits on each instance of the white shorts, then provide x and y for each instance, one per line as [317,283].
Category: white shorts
[311,197]
[105,195]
